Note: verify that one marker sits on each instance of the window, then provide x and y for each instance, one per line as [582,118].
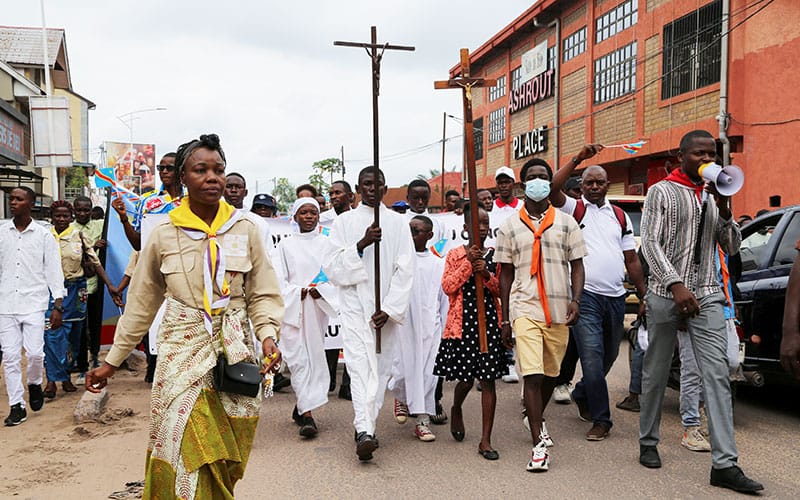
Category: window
[499,90]
[477,134]
[786,250]
[620,18]
[615,74]
[692,51]
[497,125]
[551,57]
[755,242]
[516,78]
[575,44]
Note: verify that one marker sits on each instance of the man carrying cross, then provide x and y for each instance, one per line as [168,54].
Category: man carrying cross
[349,263]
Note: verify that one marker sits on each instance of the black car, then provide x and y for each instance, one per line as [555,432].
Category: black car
[767,254]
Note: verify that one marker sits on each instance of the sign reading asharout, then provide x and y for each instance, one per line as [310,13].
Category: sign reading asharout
[530,143]
[534,90]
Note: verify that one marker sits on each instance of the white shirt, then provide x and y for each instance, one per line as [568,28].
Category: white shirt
[604,265]
[438,229]
[498,215]
[30,269]
[327,217]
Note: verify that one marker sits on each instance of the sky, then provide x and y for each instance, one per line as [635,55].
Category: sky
[265,76]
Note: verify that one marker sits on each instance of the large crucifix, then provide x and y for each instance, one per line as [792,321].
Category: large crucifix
[466,83]
[375,52]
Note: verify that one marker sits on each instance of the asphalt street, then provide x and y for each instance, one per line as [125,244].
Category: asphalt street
[287,465]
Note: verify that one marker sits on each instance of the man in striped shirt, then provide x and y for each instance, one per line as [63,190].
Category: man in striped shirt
[682,223]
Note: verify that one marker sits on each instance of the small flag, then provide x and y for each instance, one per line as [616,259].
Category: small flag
[324,231]
[631,148]
[104,177]
[320,279]
[437,248]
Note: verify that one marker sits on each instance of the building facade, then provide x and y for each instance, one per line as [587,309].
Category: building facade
[571,72]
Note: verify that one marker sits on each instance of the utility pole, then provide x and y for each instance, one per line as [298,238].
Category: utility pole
[444,131]
[342,162]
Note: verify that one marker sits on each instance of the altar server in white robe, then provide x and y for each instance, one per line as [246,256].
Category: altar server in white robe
[310,300]
[413,382]
[349,264]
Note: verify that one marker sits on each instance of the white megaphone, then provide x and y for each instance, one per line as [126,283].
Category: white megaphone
[729,180]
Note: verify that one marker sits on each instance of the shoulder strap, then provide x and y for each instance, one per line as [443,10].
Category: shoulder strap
[623,221]
[579,212]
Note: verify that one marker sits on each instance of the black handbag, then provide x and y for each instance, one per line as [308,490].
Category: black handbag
[239,378]
[89,270]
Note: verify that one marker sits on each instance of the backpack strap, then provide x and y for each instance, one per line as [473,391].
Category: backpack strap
[623,221]
[579,212]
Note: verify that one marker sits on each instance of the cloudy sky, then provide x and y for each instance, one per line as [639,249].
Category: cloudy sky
[266,77]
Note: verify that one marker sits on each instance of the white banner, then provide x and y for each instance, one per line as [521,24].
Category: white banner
[534,62]
[52,143]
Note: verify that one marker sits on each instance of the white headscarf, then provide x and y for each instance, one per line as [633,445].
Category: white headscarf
[299,202]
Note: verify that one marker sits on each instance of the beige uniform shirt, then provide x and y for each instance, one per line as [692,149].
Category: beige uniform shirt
[71,253]
[171,263]
[92,231]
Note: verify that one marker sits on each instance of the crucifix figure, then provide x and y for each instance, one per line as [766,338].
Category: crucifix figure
[375,51]
[466,83]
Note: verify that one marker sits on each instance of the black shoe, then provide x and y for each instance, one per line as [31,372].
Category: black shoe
[308,428]
[17,415]
[583,409]
[734,479]
[365,445]
[35,396]
[298,419]
[629,404]
[648,456]
[441,417]
[344,393]
[280,382]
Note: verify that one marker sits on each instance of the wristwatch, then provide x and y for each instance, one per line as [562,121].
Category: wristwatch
[59,308]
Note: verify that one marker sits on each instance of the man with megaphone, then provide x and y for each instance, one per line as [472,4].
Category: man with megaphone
[683,221]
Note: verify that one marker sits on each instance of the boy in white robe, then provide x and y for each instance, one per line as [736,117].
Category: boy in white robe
[310,300]
[349,263]
[413,382]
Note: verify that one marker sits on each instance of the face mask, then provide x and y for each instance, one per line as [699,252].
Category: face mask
[537,189]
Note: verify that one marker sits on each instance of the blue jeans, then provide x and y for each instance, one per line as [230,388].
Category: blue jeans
[598,333]
[637,360]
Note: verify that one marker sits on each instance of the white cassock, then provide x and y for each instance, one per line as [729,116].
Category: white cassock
[305,321]
[354,276]
[413,381]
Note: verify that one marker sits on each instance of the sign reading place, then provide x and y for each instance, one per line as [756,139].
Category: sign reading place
[530,143]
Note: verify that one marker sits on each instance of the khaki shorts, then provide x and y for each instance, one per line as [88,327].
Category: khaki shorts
[540,349]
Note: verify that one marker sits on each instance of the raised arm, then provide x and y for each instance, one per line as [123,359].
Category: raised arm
[557,196]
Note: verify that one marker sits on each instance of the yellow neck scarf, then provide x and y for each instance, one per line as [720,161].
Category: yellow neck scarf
[214,266]
[58,236]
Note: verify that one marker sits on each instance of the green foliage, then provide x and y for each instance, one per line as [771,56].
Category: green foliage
[76,178]
[323,173]
[284,194]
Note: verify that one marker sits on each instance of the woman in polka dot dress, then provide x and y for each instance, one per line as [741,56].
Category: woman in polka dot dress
[459,356]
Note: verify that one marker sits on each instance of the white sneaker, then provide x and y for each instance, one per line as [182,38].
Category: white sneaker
[81,380]
[423,433]
[511,377]
[540,458]
[544,436]
[561,394]
[694,440]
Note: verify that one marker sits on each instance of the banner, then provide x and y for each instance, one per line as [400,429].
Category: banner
[50,128]
[134,165]
[118,252]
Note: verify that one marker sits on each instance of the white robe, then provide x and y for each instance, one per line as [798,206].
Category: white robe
[413,381]
[354,276]
[305,321]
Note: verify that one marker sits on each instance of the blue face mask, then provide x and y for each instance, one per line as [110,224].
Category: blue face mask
[537,189]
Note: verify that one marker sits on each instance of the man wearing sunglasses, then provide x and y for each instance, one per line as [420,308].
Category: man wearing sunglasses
[153,202]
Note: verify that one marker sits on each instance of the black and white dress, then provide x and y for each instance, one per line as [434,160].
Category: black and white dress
[461,359]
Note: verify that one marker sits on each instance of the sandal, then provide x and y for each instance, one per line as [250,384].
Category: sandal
[489,454]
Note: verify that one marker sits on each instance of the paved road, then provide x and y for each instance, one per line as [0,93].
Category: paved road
[284,464]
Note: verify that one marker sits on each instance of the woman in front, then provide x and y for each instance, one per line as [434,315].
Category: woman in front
[210,263]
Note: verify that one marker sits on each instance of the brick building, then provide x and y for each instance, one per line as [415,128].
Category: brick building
[618,71]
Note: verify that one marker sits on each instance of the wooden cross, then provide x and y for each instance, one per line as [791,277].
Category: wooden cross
[467,83]
[375,52]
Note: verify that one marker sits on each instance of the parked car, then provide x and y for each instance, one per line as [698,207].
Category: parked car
[767,254]
[631,205]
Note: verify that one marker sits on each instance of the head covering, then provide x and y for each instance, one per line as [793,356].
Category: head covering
[299,202]
[401,204]
[265,200]
[507,171]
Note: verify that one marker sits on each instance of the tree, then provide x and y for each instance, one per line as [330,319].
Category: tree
[284,194]
[323,169]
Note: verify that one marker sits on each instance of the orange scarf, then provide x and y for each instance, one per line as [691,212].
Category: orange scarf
[537,261]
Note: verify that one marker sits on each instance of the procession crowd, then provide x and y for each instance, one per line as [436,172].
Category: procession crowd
[234,308]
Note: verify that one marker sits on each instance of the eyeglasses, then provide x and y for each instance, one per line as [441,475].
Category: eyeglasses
[168,168]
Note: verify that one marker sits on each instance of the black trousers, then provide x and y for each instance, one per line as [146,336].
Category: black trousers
[332,357]
[94,320]
[569,362]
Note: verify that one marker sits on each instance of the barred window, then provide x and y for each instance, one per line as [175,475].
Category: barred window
[575,44]
[477,134]
[620,18]
[516,78]
[551,57]
[615,74]
[692,51]
[497,125]
[499,90]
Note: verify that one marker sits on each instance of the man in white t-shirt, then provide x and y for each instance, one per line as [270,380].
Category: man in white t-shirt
[608,233]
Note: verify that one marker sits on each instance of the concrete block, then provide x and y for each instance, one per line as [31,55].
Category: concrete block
[90,406]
